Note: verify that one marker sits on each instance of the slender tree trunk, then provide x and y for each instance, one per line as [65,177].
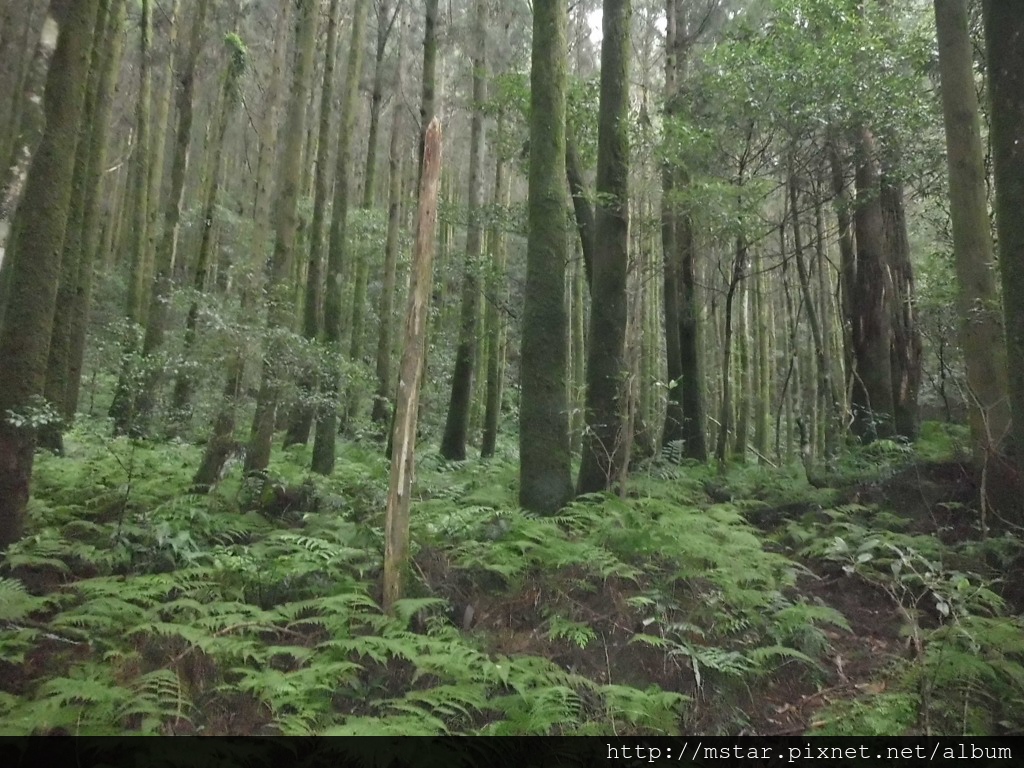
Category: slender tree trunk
[403,466]
[826,391]
[25,332]
[279,290]
[606,446]
[981,328]
[122,408]
[327,420]
[386,16]
[456,429]
[159,301]
[92,239]
[545,483]
[184,383]
[493,314]
[302,416]
[380,411]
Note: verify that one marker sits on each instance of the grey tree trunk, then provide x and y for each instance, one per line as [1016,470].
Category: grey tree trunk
[981,327]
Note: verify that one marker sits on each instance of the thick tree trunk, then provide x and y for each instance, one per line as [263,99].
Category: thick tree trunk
[606,445]
[30,127]
[456,428]
[25,332]
[872,380]
[545,483]
[981,327]
[58,359]
[1004,42]
[905,349]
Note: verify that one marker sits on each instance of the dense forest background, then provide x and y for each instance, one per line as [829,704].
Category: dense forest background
[511,367]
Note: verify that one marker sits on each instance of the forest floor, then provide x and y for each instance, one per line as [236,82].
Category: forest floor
[704,602]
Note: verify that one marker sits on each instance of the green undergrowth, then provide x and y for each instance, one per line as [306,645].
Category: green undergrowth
[134,606]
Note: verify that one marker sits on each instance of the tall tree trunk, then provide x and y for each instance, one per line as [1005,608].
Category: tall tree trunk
[327,420]
[380,411]
[492,317]
[30,127]
[386,16]
[981,328]
[302,416]
[122,408]
[92,240]
[872,381]
[279,289]
[57,364]
[905,348]
[1004,44]
[545,483]
[826,391]
[159,300]
[456,428]
[184,383]
[25,332]
[403,464]
[606,446]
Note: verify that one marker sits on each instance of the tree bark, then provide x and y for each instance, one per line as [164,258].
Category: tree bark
[327,420]
[403,467]
[606,446]
[279,289]
[871,401]
[456,428]
[1004,44]
[981,327]
[25,332]
[301,423]
[545,483]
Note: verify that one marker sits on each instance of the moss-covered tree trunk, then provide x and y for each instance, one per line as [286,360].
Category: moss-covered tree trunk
[29,126]
[456,428]
[981,327]
[280,308]
[25,332]
[545,482]
[606,445]
[57,364]
[1004,43]
[337,253]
